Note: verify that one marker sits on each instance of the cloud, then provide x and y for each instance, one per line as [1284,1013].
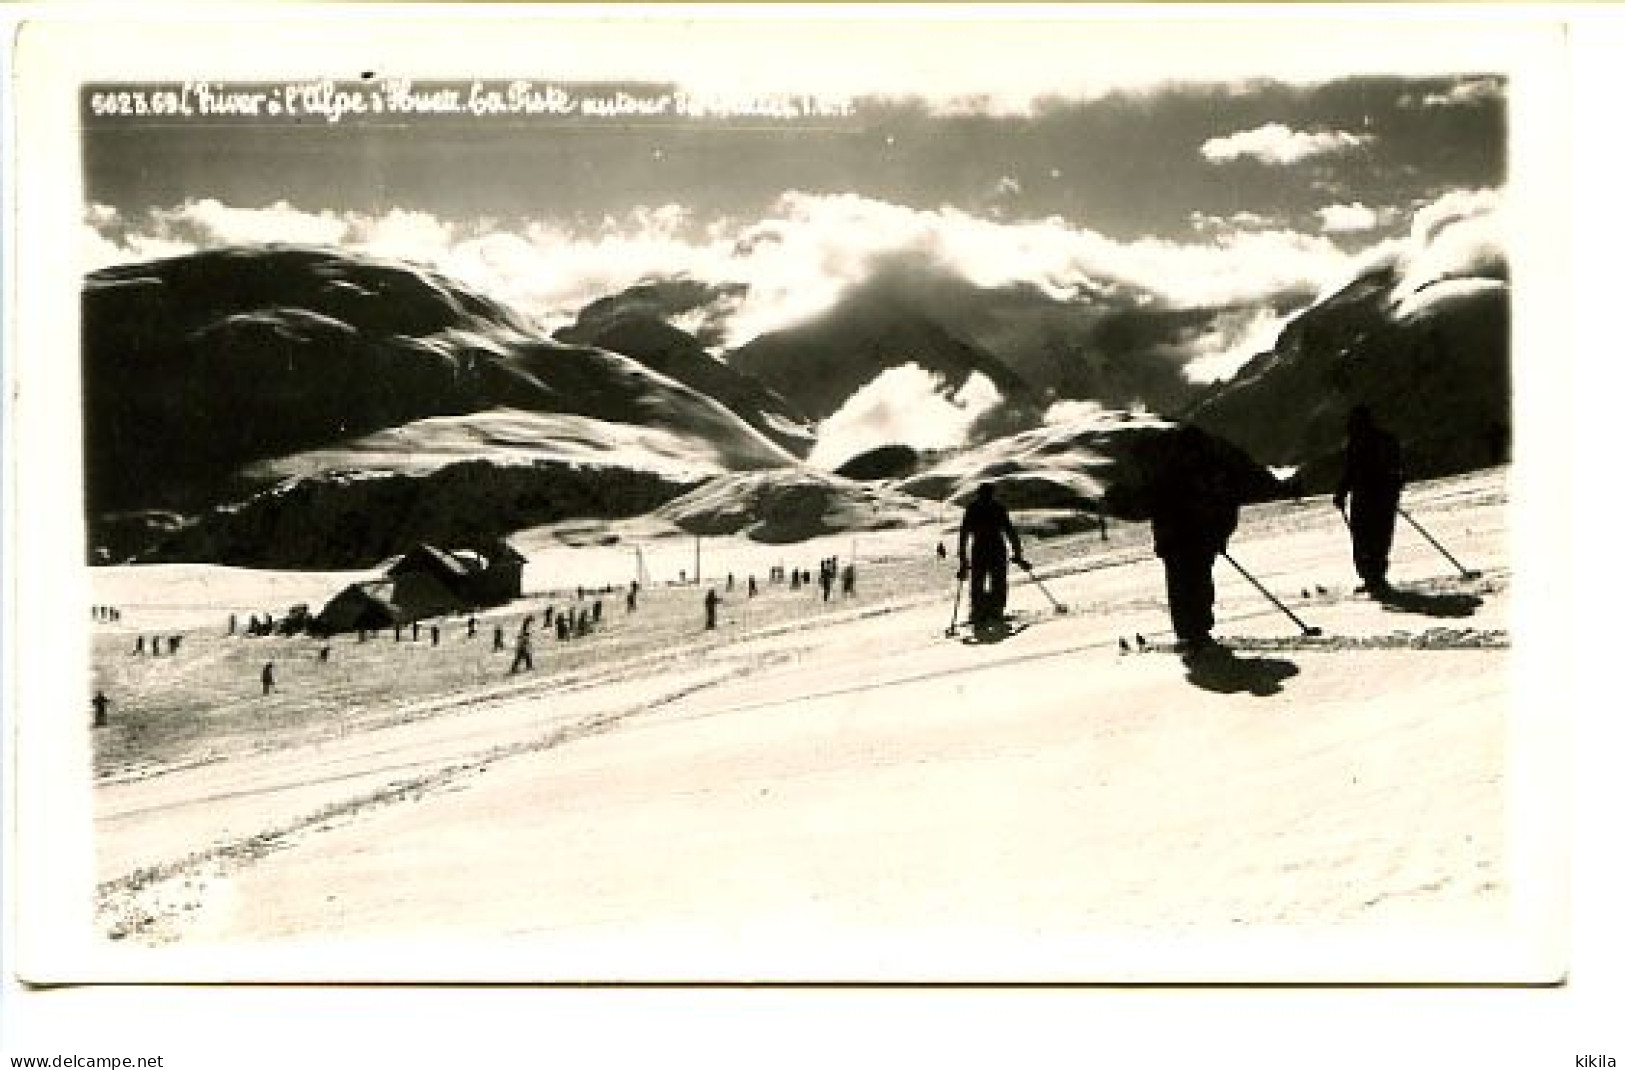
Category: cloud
[1231,342]
[1062,413]
[903,405]
[101,216]
[1279,145]
[1459,235]
[1467,92]
[1348,218]
[798,259]
[1204,222]
[208,222]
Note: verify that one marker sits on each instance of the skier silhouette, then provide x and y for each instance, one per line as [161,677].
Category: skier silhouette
[1368,496]
[993,544]
[1194,510]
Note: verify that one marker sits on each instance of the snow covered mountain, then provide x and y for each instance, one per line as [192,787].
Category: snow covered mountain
[308,407]
[636,326]
[1429,355]
[210,377]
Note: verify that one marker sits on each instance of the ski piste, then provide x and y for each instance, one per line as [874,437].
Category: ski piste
[1431,639]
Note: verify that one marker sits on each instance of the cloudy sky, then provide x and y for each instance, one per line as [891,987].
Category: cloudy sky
[1185,190]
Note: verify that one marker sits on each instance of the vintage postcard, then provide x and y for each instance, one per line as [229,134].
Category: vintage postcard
[783,495]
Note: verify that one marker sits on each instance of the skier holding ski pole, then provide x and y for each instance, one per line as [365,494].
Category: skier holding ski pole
[993,543]
[1194,510]
[1368,496]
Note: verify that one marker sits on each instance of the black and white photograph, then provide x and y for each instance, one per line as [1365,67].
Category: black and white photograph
[770,497]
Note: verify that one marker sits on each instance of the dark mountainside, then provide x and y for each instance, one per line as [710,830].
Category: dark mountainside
[667,298]
[788,506]
[312,408]
[638,329]
[882,462]
[1106,342]
[198,366]
[354,520]
[1106,464]
[1434,366]
[818,365]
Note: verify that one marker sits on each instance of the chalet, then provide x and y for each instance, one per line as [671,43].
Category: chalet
[487,576]
[426,581]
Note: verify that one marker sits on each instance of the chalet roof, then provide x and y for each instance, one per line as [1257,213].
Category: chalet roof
[456,564]
[431,559]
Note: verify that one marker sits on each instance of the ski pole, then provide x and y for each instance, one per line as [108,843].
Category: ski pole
[1307,629]
[1059,607]
[953,622]
[1468,574]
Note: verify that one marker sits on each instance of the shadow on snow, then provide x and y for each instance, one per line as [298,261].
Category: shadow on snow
[1220,671]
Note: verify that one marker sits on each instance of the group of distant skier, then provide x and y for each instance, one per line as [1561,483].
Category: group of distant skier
[830,572]
[1194,505]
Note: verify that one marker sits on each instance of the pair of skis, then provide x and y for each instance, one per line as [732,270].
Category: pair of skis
[953,622]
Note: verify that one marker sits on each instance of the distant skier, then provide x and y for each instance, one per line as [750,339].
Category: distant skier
[849,581]
[942,551]
[632,597]
[140,644]
[415,627]
[434,635]
[1194,510]
[496,637]
[231,625]
[750,589]
[472,625]
[324,653]
[100,703]
[1368,496]
[521,654]
[993,543]
[711,600]
[597,610]
[826,578]
[268,678]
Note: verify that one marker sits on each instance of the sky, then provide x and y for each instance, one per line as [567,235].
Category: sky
[1168,163]
[1206,188]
